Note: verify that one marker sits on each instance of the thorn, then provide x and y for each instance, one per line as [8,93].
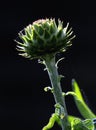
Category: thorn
[60,77]
[45,69]
[58,62]
[41,61]
[46,89]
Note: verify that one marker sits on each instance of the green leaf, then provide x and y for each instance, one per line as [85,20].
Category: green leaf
[80,103]
[71,118]
[78,124]
[89,124]
[54,118]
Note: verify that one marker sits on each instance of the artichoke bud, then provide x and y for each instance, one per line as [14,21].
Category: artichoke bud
[44,37]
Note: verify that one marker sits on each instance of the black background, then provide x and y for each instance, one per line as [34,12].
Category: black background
[23,103]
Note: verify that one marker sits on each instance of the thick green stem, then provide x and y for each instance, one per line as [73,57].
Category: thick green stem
[57,91]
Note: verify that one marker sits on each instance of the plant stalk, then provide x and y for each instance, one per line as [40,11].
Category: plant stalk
[57,91]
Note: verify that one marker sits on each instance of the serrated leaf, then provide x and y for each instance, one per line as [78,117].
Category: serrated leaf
[78,124]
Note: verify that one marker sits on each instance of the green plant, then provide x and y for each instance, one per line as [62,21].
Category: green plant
[43,40]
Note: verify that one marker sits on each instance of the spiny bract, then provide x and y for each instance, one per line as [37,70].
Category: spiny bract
[44,37]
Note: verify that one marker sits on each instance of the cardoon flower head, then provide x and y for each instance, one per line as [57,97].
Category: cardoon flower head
[44,37]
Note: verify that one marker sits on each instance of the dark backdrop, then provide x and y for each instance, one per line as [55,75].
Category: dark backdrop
[23,103]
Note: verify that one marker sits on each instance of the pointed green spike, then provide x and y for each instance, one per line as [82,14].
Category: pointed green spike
[76,89]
